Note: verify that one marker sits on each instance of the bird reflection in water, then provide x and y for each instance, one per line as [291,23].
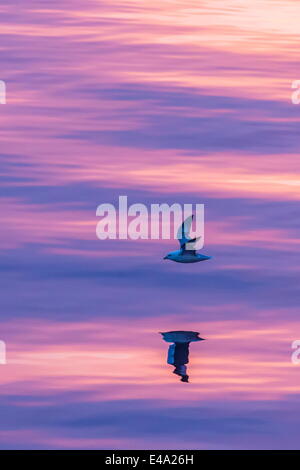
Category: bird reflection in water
[178,353]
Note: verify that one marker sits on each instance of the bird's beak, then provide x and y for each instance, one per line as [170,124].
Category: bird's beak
[165,257]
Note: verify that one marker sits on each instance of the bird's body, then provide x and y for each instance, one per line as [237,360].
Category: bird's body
[185,255]
[180,336]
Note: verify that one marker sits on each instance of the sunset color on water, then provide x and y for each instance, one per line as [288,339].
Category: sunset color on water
[163,101]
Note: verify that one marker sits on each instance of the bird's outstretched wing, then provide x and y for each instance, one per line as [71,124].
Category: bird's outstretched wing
[184,230]
[183,234]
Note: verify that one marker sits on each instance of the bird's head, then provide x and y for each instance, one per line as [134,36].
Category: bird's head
[170,255]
